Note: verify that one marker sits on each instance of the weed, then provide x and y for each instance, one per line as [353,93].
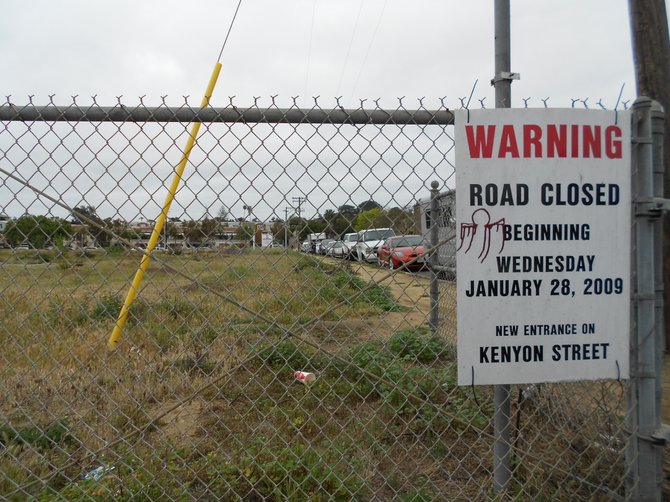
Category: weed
[290,354]
[307,263]
[107,307]
[195,364]
[378,296]
[381,297]
[233,274]
[419,345]
[296,472]
[47,437]
[177,308]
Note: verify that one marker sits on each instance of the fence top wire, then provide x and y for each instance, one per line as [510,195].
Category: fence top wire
[121,113]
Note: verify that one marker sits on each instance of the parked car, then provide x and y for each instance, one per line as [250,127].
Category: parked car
[401,250]
[349,240]
[305,247]
[368,242]
[337,250]
[322,245]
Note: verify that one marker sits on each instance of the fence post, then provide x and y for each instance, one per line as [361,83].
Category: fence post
[658,133]
[434,258]
[502,473]
[644,454]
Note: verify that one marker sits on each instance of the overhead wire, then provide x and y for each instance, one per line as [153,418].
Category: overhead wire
[309,49]
[367,52]
[351,43]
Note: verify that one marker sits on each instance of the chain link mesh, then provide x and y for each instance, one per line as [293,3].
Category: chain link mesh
[201,400]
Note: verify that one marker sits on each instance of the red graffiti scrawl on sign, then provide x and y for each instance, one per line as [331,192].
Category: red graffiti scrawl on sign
[481,221]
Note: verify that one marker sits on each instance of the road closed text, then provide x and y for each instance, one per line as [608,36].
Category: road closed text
[493,354]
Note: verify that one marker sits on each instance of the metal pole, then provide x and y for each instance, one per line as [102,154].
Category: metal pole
[644,385]
[434,258]
[286,227]
[299,200]
[502,473]
[658,135]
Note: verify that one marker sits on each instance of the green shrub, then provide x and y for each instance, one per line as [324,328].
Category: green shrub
[289,353]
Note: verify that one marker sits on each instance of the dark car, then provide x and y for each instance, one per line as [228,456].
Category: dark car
[403,250]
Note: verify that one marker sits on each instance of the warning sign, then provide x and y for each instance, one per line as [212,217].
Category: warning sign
[543,226]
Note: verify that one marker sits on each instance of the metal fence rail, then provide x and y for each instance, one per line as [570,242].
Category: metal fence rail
[249,369]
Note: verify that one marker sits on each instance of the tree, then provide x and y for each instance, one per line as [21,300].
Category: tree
[38,231]
[222,214]
[402,221]
[120,228]
[192,231]
[245,232]
[87,216]
[341,225]
[368,205]
[348,209]
[171,230]
[279,230]
[651,51]
[209,228]
[374,218]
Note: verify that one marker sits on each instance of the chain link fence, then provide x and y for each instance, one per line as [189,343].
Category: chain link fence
[249,367]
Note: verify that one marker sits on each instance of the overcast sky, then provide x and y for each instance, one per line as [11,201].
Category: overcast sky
[356,49]
[564,50]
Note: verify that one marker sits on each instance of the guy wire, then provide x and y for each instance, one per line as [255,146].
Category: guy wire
[218,60]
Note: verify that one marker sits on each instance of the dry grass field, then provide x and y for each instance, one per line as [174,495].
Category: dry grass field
[199,400]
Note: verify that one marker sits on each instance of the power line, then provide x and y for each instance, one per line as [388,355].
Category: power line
[351,43]
[367,52]
[309,50]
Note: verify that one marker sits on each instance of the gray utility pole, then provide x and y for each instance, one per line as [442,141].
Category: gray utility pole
[250,209]
[298,201]
[502,82]
[286,210]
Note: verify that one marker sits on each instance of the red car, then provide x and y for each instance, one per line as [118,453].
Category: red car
[397,251]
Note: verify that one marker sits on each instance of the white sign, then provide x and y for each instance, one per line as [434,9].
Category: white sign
[543,213]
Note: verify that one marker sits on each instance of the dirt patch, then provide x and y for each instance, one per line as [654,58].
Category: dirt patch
[410,290]
[183,422]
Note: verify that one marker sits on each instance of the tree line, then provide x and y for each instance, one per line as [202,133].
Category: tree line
[86,226]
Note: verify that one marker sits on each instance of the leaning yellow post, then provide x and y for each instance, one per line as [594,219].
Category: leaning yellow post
[160,222]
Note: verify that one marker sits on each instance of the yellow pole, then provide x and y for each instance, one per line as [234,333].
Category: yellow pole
[158,227]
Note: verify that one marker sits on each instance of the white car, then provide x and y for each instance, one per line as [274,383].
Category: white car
[349,242]
[368,242]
